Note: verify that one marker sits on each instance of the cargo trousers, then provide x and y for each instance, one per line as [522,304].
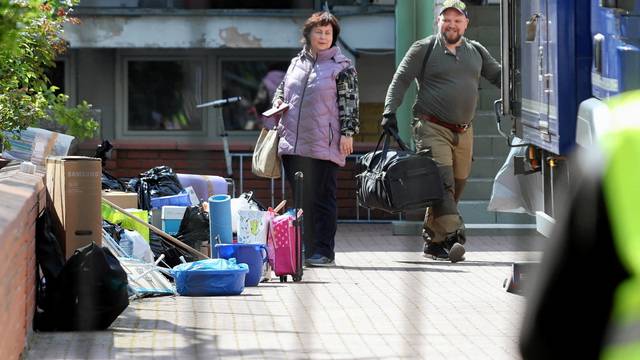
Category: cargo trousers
[453,152]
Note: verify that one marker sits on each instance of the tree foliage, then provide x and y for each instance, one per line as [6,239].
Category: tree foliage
[30,41]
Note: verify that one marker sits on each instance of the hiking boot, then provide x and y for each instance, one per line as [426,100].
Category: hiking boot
[453,244]
[319,260]
[462,237]
[456,253]
[436,251]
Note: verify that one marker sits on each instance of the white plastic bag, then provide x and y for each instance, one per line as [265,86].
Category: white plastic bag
[253,226]
[136,246]
[516,193]
[242,202]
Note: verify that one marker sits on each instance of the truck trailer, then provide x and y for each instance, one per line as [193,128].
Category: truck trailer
[561,60]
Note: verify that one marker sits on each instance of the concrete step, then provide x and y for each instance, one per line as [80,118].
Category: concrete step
[485,167]
[475,212]
[485,123]
[476,218]
[490,145]
[488,95]
[478,189]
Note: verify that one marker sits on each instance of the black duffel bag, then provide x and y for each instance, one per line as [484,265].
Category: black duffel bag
[398,180]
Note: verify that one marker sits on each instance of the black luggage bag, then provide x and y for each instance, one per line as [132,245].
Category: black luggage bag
[398,180]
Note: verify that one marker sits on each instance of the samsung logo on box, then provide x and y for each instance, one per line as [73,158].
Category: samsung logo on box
[83,174]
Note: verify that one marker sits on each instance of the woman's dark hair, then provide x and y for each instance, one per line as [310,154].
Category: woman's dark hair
[322,18]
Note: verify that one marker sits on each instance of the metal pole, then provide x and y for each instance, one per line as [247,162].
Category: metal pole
[225,144]
[414,20]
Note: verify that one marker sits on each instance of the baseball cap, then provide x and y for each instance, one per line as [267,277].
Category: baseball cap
[454,4]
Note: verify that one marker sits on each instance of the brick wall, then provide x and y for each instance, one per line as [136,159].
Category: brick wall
[22,198]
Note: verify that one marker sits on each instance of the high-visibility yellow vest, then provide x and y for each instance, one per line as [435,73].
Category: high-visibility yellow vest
[621,188]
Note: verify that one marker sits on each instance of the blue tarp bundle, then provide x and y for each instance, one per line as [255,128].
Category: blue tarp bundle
[210,277]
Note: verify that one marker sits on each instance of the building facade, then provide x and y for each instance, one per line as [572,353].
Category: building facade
[146,64]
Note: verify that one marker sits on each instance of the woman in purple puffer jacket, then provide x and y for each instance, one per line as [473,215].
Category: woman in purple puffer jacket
[316,132]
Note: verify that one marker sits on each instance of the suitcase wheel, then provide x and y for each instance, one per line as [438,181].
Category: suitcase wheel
[297,278]
[283,278]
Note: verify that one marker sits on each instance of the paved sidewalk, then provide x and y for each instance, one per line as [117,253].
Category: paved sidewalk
[383,300]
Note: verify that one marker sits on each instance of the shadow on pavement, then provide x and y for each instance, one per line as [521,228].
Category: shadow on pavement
[461,263]
[389,268]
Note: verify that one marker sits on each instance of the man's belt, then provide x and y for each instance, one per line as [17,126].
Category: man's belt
[458,128]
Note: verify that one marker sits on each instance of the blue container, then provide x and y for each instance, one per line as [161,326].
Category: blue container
[254,255]
[220,219]
[210,277]
[181,199]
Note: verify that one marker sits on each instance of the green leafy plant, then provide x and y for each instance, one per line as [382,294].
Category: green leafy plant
[30,41]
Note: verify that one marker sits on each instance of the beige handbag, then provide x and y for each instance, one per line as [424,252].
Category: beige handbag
[265,162]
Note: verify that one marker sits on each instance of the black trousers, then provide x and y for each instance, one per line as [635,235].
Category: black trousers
[318,202]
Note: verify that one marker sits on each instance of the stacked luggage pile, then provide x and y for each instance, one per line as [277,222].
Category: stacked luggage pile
[161,233]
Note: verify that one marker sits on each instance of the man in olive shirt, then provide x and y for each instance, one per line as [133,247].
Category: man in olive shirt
[442,113]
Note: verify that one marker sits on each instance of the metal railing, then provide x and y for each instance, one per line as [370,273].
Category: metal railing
[280,183]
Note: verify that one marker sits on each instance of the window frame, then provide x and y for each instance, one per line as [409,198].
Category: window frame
[283,55]
[211,60]
[122,89]
[68,61]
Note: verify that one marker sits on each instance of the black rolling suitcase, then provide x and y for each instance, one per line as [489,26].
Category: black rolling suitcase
[285,238]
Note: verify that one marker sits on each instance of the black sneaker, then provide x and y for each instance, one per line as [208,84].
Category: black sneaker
[436,251]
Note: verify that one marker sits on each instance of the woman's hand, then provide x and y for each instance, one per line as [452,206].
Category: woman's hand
[276,104]
[346,145]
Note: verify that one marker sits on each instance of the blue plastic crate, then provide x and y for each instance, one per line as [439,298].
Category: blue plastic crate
[181,199]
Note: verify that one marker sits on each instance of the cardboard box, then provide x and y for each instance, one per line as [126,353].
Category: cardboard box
[74,190]
[126,200]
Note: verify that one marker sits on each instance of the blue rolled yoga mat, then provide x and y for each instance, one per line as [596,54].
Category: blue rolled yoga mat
[220,219]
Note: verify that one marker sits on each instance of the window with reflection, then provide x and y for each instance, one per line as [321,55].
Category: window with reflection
[255,81]
[163,94]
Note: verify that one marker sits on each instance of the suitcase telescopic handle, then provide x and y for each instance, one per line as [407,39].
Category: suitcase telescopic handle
[298,179]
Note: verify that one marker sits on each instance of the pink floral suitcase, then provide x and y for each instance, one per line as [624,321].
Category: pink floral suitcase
[284,245]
